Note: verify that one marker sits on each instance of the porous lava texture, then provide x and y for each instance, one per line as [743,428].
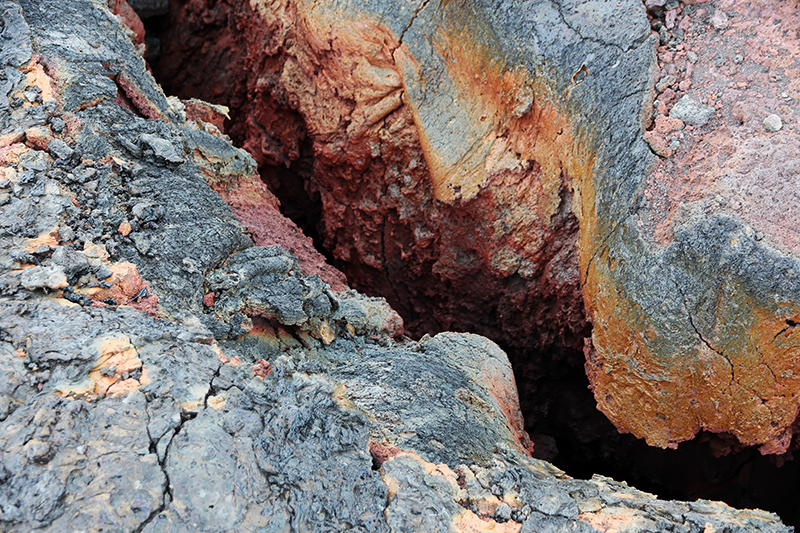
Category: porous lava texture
[159,371]
[707,339]
[492,166]
[464,225]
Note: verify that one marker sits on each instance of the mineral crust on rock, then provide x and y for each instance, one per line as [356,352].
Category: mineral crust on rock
[493,167]
[130,402]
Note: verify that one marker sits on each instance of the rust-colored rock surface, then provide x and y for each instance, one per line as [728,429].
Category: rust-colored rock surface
[254,205]
[256,399]
[334,94]
[495,168]
[707,340]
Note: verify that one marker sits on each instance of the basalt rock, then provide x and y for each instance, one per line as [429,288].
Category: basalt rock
[151,410]
[492,167]
[329,91]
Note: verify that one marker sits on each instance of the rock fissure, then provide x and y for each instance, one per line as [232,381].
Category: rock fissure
[790,324]
[410,22]
[591,38]
[710,347]
[303,394]
[166,490]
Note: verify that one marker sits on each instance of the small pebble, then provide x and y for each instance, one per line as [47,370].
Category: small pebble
[103,272]
[60,149]
[66,233]
[692,112]
[37,450]
[665,82]
[719,20]
[503,512]
[125,228]
[773,123]
[691,57]
[57,124]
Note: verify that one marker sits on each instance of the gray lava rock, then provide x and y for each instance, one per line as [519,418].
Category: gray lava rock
[38,277]
[666,82]
[16,50]
[163,149]
[692,111]
[59,149]
[265,281]
[73,263]
[66,233]
[103,272]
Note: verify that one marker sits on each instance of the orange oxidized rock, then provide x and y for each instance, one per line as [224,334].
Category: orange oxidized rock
[487,169]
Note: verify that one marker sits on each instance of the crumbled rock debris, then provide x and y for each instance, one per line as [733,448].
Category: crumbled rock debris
[137,418]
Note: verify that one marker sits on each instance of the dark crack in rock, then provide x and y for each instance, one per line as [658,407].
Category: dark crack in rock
[122,410]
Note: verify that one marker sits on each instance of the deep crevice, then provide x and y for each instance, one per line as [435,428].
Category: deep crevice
[559,408]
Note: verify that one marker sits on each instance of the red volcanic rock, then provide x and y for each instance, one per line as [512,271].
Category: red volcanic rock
[737,372]
[490,251]
[254,205]
[131,22]
[165,412]
[487,168]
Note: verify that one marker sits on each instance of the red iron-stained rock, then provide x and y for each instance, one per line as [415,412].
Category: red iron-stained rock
[496,184]
[131,21]
[487,251]
[256,413]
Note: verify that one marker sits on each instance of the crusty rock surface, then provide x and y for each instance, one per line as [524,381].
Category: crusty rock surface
[151,410]
[706,339]
[473,264]
[495,167]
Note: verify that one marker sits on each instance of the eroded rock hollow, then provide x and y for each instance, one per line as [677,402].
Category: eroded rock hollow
[445,204]
[175,355]
[485,166]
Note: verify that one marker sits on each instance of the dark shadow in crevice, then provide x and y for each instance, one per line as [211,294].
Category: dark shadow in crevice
[559,408]
[570,432]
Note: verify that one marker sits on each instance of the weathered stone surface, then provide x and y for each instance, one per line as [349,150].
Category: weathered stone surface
[114,419]
[37,277]
[698,321]
[457,146]
[383,215]
[692,112]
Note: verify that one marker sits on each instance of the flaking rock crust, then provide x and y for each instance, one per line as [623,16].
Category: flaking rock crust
[505,168]
[159,371]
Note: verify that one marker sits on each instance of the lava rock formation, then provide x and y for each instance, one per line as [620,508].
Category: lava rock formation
[173,362]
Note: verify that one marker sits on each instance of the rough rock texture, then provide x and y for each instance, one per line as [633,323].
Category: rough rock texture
[162,412]
[718,220]
[319,87]
[455,147]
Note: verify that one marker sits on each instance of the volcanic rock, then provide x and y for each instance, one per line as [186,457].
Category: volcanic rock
[36,277]
[114,419]
[773,123]
[692,112]
[488,168]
